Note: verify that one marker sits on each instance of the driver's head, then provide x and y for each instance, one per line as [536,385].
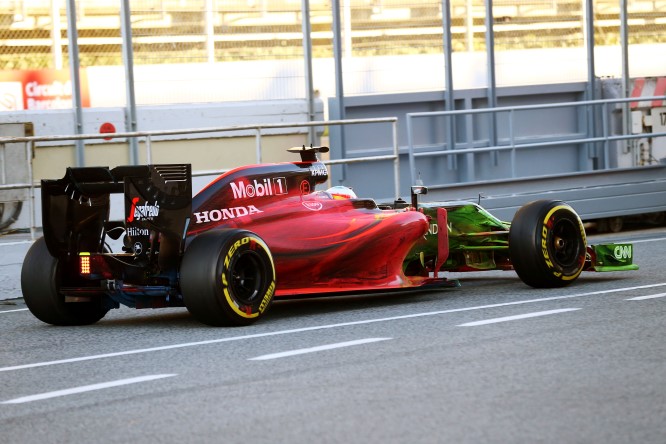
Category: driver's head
[340,192]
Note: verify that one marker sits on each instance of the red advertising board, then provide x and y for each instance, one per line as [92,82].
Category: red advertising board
[39,89]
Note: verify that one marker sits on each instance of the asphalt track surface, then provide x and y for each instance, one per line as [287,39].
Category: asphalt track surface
[491,362]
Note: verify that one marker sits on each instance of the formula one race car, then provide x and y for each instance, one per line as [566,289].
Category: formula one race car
[263,231]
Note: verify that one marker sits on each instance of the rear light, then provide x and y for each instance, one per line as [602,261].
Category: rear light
[84,263]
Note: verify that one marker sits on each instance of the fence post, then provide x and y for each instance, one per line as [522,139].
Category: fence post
[512,141]
[307,59]
[624,44]
[128,61]
[74,67]
[449,105]
[29,149]
[149,150]
[396,161]
[410,145]
[56,37]
[492,89]
[257,147]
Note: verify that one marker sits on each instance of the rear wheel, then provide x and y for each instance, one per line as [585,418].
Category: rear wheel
[227,277]
[41,276]
[547,244]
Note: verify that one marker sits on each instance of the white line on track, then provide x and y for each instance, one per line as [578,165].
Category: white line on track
[13,311]
[11,244]
[315,328]
[650,296]
[654,239]
[516,317]
[85,388]
[303,351]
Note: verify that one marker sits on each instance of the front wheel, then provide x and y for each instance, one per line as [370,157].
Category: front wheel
[41,277]
[547,244]
[227,277]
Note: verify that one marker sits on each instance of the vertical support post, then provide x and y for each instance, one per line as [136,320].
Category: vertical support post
[347,23]
[307,59]
[29,147]
[56,38]
[604,128]
[624,44]
[3,165]
[210,31]
[128,61]
[149,150]
[589,44]
[469,25]
[396,161]
[410,146]
[75,76]
[468,174]
[339,90]
[257,144]
[512,141]
[448,93]
[492,92]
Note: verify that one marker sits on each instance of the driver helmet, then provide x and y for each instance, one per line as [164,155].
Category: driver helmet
[340,192]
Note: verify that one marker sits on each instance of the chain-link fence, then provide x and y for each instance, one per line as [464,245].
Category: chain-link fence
[33,33]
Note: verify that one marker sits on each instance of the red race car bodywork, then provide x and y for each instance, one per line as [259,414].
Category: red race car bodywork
[264,231]
[319,244]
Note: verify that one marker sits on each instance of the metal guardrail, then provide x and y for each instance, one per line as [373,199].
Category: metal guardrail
[149,135]
[513,145]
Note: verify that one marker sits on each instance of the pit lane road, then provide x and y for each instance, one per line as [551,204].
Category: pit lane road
[492,361]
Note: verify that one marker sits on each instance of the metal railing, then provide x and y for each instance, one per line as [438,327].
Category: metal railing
[148,137]
[511,144]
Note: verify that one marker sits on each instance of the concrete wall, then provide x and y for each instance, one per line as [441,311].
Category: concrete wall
[208,151]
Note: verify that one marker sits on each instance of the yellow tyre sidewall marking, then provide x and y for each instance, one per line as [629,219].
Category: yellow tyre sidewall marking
[269,292]
[543,239]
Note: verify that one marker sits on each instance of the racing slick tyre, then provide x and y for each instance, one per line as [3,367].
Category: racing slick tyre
[547,244]
[227,277]
[41,276]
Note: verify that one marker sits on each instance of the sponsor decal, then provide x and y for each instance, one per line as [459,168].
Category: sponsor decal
[146,211]
[433,229]
[138,248]
[622,252]
[40,89]
[318,170]
[267,297]
[136,231]
[259,188]
[305,187]
[312,205]
[225,213]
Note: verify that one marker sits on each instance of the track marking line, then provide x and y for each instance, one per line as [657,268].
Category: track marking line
[303,351]
[316,327]
[639,241]
[650,296]
[85,388]
[517,317]
[13,311]
[10,244]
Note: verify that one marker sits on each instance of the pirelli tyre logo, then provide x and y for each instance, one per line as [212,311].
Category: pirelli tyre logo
[259,188]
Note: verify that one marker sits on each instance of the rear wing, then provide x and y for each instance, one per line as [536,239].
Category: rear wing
[158,206]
